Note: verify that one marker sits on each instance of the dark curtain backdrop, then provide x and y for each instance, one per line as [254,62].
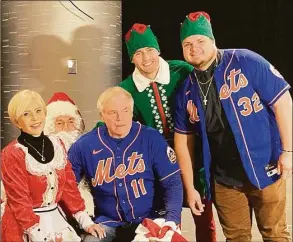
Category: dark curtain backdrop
[264,26]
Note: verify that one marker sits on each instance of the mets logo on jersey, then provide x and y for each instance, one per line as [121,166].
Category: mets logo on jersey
[237,81]
[275,71]
[171,155]
[192,111]
[135,165]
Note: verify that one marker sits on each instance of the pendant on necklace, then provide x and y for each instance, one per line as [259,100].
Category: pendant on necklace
[205,101]
[43,159]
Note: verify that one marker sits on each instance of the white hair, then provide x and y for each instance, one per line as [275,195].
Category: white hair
[111,93]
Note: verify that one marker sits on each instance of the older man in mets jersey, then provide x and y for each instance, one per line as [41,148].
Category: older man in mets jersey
[123,159]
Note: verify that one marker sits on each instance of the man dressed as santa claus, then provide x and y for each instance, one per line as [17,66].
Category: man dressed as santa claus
[65,121]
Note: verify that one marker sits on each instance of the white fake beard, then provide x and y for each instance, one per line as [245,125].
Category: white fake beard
[68,137]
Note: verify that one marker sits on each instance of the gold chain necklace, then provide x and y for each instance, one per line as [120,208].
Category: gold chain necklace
[42,155]
[205,100]
[203,83]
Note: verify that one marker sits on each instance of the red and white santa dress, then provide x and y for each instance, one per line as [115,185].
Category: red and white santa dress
[34,190]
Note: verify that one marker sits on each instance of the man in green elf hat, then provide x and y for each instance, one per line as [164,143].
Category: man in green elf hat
[154,81]
[153,85]
[240,106]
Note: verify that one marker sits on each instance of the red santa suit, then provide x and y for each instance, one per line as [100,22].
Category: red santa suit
[61,104]
[34,191]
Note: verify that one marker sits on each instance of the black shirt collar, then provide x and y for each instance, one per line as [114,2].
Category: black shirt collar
[207,74]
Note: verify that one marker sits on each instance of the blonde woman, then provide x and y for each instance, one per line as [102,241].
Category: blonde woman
[37,177]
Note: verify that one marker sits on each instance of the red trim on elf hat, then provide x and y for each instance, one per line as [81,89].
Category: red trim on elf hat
[60,96]
[194,16]
[139,28]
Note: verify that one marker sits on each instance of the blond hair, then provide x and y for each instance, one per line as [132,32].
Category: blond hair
[113,92]
[19,102]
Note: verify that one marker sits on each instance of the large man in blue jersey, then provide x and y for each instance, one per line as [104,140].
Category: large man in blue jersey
[123,159]
[240,106]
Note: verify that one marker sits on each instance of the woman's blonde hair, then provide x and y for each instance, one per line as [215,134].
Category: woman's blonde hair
[19,102]
[112,92]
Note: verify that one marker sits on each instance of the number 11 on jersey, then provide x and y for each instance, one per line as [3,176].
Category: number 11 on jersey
[135,184]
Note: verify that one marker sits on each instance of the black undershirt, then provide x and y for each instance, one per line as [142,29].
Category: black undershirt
[37,143]
[226,166]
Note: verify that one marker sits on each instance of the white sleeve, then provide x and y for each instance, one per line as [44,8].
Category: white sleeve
[83,219]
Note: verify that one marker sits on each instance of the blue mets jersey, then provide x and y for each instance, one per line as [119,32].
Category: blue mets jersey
[122,172]
[248,86]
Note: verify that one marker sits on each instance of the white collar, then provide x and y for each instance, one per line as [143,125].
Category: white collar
[163,76]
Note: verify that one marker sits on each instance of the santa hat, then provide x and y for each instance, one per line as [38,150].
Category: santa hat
[61,104]
[140,36]
[158,230]
[196,23]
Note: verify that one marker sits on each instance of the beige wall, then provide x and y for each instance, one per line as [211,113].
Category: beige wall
[37,39]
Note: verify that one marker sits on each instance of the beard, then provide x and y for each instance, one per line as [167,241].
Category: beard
[68,137]
[203,61]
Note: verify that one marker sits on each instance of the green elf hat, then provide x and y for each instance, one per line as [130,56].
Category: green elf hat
[140,36]
[196,23]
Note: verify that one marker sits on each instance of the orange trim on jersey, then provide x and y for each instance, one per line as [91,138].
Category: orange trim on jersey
[169,175]
[138,132]
[115,192]
[279,94]
[239,123]
[183,131]
[132,209]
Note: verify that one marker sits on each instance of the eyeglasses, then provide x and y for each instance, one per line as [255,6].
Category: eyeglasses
[68,124]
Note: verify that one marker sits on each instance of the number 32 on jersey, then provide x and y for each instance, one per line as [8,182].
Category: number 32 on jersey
[250,104]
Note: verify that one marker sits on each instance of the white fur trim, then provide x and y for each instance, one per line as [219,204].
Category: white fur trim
[3,194]
[85,193]
[38,169]
[163,76]
[59,108]
[83,219]
[3,204]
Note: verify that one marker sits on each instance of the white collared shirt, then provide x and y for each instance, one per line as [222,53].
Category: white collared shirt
[163,76]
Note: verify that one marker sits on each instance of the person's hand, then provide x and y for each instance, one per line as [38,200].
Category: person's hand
[194,202]
[96,230]
[285,165]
